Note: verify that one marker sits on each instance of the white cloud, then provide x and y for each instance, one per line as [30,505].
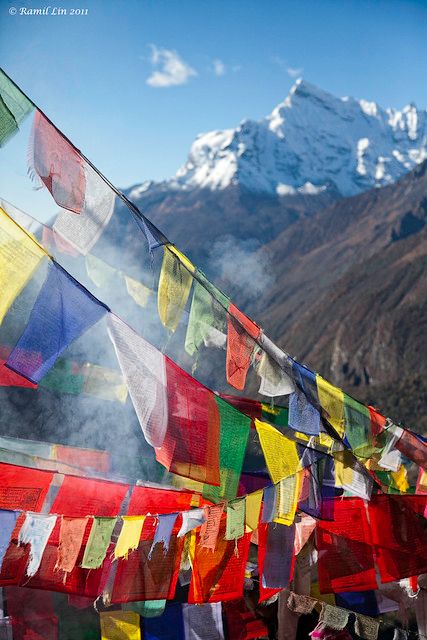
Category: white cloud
[171,70]
[218,67]
[294,73]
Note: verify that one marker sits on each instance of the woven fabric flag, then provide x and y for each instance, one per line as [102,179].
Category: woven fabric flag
[7,525]
[165,525]
[146,608]
[20,255]
[210,529]
[71,535]
[137,291]
[367,628]
[203,622]
[281,455]
[174,287]
[234,433]
[279,556]
[306,382]
[289,490]
[83,231]
[350,475]
[103,383]
[101,274]
[333,617]
[358,427]
[274,381]
[153,236]
[63,311]
[14,107]
[58,164]
[169,626]
[120,625]
[144,370]
[303,416]
[191,444]
[98,542]
[332,402]
[235,519]
[206,316]
[241,336]
[36,531]
[129,537]
[253,508]
[269,503]
[191,520]
[413,448]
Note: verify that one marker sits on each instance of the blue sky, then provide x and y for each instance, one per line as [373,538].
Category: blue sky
[235,59]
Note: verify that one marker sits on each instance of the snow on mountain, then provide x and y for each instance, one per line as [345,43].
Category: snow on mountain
[311,142]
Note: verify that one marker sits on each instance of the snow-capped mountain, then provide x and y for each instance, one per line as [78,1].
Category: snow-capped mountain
[311,142]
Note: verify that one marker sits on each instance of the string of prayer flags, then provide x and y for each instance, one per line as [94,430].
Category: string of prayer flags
[144,370]
[83,231]
[210,529]
[241,336]
[20,256]
[235,519]
[203,622]
[129,536]
[234,434]
[206,315]
[36,531]
[14,107]
[281,455]
[274,381]
[7,525]
[71,535]
[174,286]
[58,165]
[191,520]
[120,625]
[303,416]
[331,399]
[98,542]
[165,525]
[63,311]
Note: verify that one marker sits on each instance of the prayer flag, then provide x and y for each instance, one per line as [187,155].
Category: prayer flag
[281,455]
[306,382]
[71,535]
[144,370]
[174,287]
[274,381]
[289,490]
[14,107]
[269,503]
[235,519]
[202,622]
[205,315]
[98,542]
[242,333]
[165,525]
[120,625]
[63,311]
[129,537]
[358,427]
[36,531]
[20,255]
[169,626]
[303,416]
[137,291]
[332,402]
[191,520]
[7,525]
[253,508]
[279,556]
[210,529]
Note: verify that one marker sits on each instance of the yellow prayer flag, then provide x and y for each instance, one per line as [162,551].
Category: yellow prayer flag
[20,255]
[280,453]
[120,625]
[99,272]
[343,471]
[174,288]
[332,401]
[253,507]
[138,291]
[400,479]
[129,536]
[182,258]
[289,490]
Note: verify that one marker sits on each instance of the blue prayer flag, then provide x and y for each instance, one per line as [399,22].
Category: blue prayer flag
[7,525]
[168,626]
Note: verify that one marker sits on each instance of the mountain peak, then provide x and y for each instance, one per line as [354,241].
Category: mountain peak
[311,142]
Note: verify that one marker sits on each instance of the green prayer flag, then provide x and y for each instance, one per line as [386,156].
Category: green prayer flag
[63,378]
[14,107]
[146,608]
[215,293]
[275,414]
[234,433]
[236,512]
[357,421]
[97,544]
[205,314]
